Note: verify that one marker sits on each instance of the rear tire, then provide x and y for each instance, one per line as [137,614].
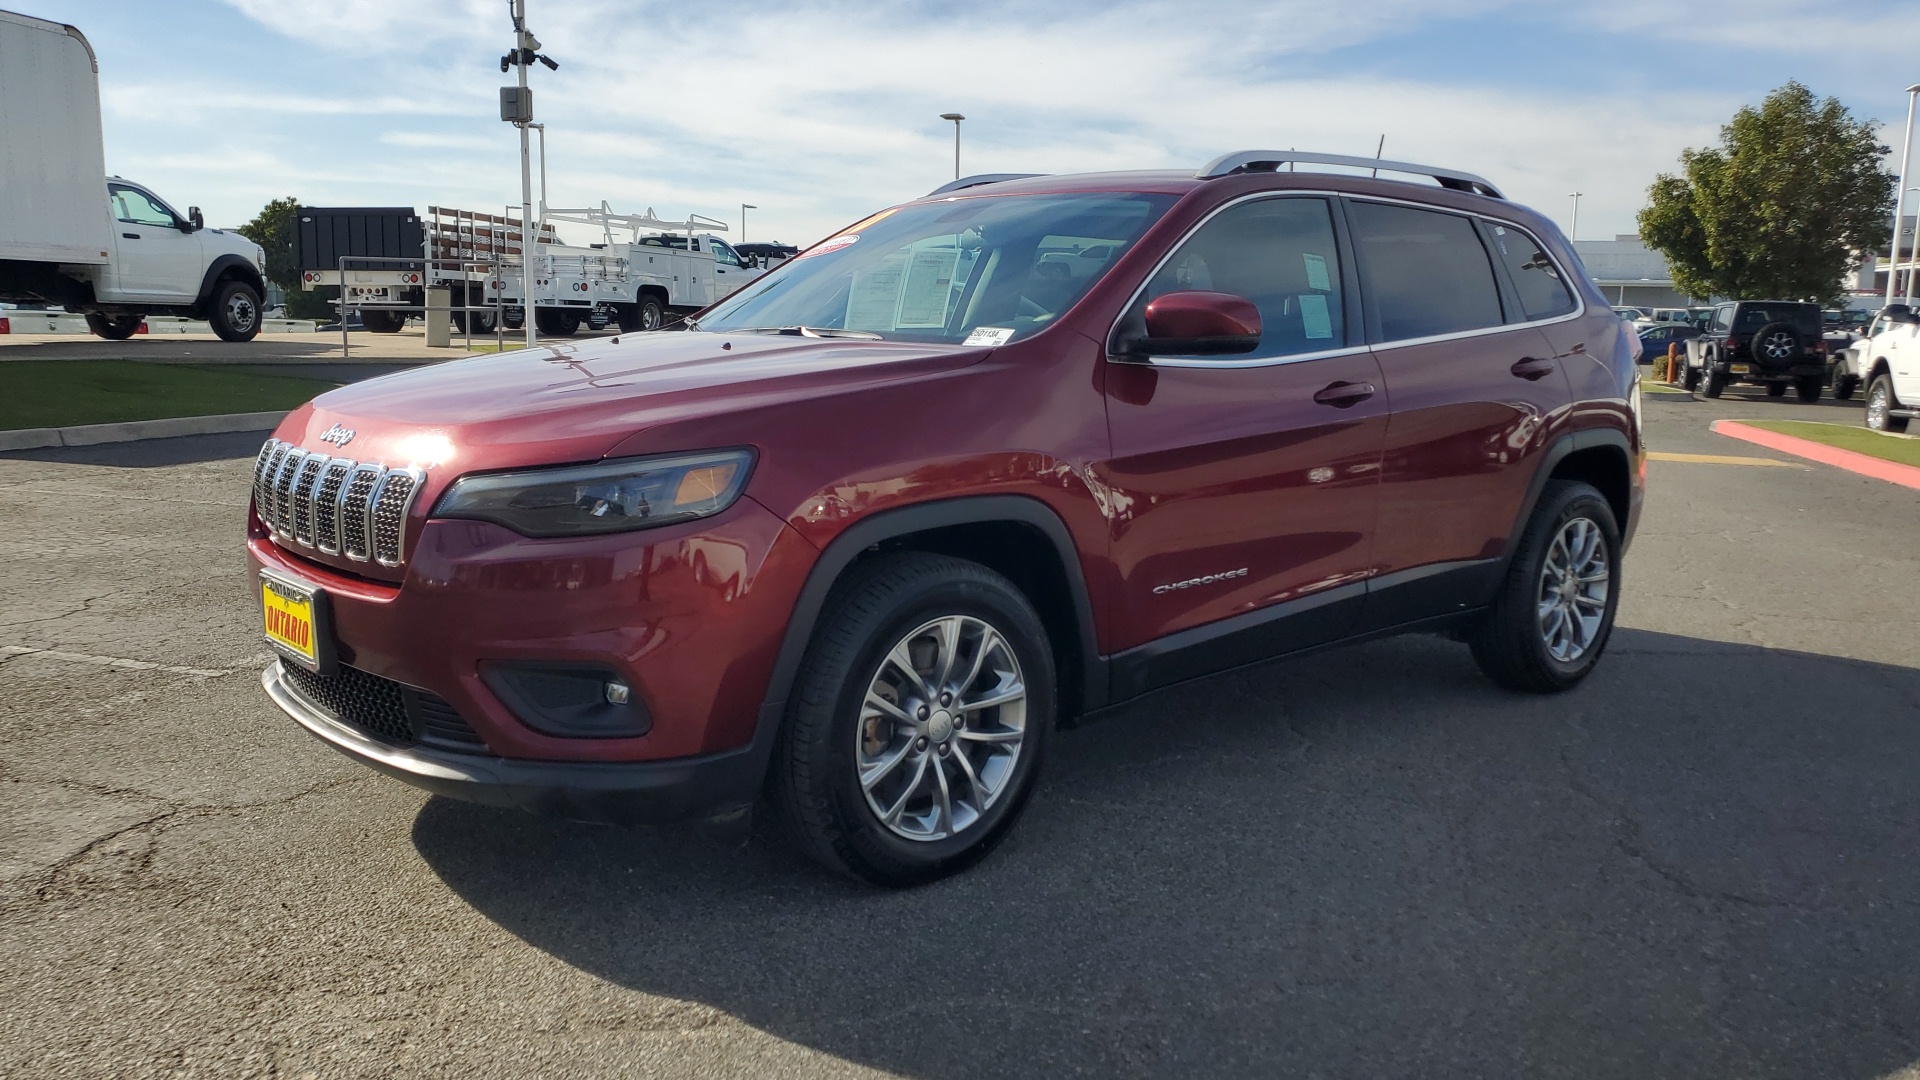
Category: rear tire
[648,313]
[1880,403]
[1776,389]
[1808,388]
[555,323]
[235,312]
[1690,378]
[1712,383]
[114,327]
[378,321]
[1551,622]
[943,783]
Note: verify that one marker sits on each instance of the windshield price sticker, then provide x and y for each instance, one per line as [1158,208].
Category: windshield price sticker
[835,244]
[990,336]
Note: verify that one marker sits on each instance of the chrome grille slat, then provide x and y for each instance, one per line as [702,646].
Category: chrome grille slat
[303,481]
[335,505]
[326,505]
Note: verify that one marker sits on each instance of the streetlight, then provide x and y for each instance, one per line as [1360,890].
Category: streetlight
[1573,227]
[744,207]
[516,107]
[1900,200]
[956,118]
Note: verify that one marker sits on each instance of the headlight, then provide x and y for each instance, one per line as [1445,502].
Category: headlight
[605,497]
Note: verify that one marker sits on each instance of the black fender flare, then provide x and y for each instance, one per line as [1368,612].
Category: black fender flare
[844,549]
[220,268]
[1568,443]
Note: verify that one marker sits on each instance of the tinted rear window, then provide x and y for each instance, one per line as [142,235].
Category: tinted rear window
[1424,273]
[1543,294]
[1754,316]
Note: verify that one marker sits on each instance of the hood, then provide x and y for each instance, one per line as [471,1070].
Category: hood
[576,402]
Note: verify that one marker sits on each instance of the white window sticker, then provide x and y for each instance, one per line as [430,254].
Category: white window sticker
[928,290]
[990,336]
[1317,275]
[1313,316]
[875,294]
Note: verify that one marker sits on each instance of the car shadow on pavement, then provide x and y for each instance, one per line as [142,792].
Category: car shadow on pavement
[1701,862]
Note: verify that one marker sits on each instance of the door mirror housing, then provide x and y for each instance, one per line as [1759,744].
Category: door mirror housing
[1197,323]
[194,221]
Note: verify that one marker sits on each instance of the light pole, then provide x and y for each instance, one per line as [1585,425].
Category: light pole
[1573,227]
[744,207]
[1900,200]
[516,107]
[956,118]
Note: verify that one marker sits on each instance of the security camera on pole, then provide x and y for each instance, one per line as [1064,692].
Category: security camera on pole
[516,107]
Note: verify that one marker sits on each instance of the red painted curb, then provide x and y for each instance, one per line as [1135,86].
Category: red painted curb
[1865,464]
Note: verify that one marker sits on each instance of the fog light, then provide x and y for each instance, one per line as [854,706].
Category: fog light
[578,701]
[617,692]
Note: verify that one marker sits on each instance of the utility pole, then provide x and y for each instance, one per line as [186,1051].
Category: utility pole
[956,118]
[744,207]
[1573,227]
[1900,201]
[516,107]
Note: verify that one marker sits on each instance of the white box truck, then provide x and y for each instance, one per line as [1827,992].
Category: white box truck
[74,238]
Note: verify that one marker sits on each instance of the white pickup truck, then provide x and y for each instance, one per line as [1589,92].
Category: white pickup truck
[73,237]
[1887,363]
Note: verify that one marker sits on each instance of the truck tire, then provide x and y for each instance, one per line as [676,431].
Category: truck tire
[1555,610]
[1712,382]
[1880,404]
[648,314]
[1844,385]
[1690,378]
[1808,388]
[235,311]
[554,323]
[482,322]
[1776,389]
[113,327]
[382,322]
[918,725]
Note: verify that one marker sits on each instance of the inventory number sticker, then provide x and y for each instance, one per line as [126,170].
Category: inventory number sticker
[990,336]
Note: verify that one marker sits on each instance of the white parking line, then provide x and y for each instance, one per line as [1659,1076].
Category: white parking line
[108,661]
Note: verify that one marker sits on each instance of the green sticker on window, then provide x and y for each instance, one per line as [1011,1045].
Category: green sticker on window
[1317,276]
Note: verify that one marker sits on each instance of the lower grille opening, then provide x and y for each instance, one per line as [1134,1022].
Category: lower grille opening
[383,709]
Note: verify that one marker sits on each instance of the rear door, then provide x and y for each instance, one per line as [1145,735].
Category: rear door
[154,258]
[1475,390]
[1243,488]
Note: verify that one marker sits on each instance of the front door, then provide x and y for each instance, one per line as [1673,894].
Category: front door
[1242,489]
[1476,389]
[154,257]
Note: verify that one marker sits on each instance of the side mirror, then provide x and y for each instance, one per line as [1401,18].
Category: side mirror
[194,221]
[1200,324]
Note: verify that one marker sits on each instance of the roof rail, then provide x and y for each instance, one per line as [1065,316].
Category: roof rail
[1245,161]
[982,178]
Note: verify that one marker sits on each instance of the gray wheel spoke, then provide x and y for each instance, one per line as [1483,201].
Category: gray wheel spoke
[988,642]
[944,824]
[980,792]
[879,770]
[892,816]
[1003,695]
[991,736]
[880,704]
[903,663]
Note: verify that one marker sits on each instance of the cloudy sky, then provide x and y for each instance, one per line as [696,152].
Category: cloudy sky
[819,112]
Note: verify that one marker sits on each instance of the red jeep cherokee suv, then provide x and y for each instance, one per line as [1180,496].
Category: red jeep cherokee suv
[864,533]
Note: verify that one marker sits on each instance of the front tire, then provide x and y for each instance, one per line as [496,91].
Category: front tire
[1880,405]
[1555,610]
[1712,383]
[919,721]
[113,327]
[235,315]
[1844,386]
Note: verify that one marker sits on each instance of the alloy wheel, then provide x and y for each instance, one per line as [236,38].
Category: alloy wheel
[941,728]
[1778,346]
[1575,581]
[1877,407]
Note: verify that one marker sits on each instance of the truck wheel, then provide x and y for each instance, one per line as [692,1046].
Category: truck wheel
[647,314]
[382,322]
[235,313]
[1555,610]
[1880,406]
[1690,378]
[1712,382]
[1808,387]
[919,720]
[1776,389]
[554,323]
[482,322]
[1844,386]
[113,327]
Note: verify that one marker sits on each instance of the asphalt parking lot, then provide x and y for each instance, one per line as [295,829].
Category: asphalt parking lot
[1367,862]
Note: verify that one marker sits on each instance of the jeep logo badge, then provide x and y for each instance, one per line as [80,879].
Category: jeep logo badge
[337,435]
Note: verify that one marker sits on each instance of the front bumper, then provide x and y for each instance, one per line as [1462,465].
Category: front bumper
[622,793]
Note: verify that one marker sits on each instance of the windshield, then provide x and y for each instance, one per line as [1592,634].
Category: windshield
[982,270]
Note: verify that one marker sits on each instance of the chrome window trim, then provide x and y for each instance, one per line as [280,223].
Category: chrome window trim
[1580,301]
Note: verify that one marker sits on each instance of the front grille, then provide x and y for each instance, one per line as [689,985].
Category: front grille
[335,505]
[386,710]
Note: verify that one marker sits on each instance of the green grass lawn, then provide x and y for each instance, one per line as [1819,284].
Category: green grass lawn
[1857,439]
[57,393]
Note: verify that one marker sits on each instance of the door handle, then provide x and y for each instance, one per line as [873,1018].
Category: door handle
[1344,395]
[130,235]
[1531,368]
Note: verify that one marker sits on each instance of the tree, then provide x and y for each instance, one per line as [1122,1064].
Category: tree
[273,228]
[1776,211]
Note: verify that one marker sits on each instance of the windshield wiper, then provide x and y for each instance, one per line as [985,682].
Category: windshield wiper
[813,331]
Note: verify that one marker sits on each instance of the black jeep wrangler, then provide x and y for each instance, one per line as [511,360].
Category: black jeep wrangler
[1775,343]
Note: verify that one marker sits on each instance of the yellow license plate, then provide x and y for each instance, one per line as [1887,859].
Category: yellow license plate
[1742,369]
[290,620]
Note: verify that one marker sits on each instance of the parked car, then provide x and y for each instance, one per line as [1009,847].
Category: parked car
[1656,338]
[1028,447]
[766,255]
[1772,343]
[1632,314]
[1887,362]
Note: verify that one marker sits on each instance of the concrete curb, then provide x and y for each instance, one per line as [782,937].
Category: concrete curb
[135,430]
[1865,464]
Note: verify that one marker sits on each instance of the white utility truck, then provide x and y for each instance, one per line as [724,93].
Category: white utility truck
[1887,363]
[643,272]
[71,236]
